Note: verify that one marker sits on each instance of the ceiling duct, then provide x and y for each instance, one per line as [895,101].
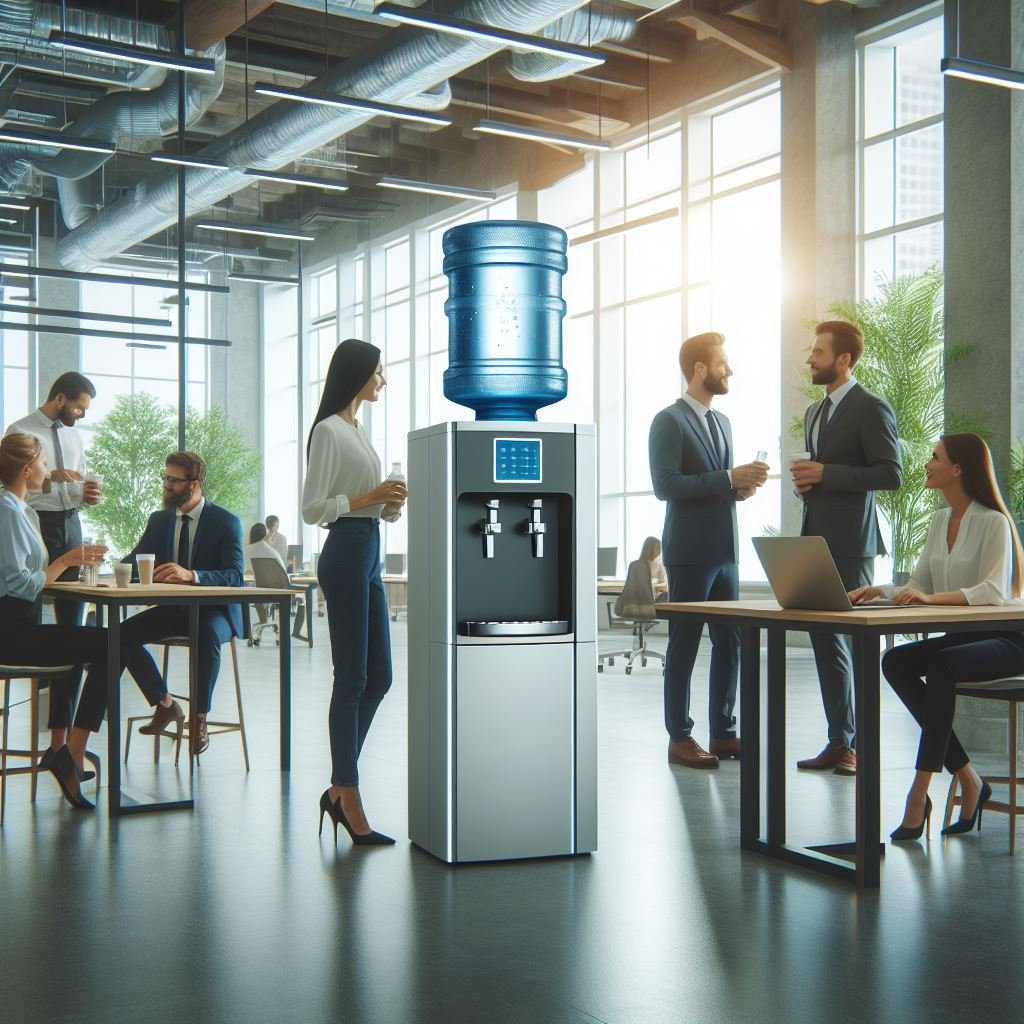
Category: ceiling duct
[396,69]
[25,27]
[583,27]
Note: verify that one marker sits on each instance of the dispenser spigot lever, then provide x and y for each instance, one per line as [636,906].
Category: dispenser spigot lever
[535,528]
[490,526]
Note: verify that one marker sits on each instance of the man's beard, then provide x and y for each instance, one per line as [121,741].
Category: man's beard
[825,375]
[67,418]
[177,500]
[717,385]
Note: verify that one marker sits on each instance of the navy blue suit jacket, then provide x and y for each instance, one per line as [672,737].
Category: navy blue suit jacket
[216,551]
[700,520]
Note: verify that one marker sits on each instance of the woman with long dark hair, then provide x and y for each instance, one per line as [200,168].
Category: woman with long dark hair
[24,571]
[972,556]
[343,491]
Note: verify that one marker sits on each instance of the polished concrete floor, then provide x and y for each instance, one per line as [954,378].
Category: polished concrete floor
[236,911]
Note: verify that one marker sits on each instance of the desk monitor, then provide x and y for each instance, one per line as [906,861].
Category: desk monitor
[294,555]
[607,563]
[394,565]
[804,576]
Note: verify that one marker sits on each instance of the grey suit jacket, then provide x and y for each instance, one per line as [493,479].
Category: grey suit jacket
[860,453]
[700,519]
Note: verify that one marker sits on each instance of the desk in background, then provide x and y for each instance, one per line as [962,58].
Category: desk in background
[193,598]
[866,627]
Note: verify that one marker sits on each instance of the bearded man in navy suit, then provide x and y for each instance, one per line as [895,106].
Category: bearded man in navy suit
[197,543]
[692,469]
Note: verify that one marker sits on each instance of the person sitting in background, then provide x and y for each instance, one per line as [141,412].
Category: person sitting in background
[24,571]
[651,554]
[260,547]
[972,556]
[277,540]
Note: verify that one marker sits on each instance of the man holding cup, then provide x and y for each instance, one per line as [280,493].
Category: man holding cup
[194,542]
[66,489]
[852,451]
[692,470]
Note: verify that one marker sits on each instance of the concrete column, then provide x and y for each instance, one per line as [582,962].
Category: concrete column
[55,353]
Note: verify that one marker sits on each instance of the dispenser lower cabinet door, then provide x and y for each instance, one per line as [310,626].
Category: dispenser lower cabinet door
[514,748]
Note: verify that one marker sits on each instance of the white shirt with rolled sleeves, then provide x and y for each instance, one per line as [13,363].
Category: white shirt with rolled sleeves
[72,449]
[980,565]
[342,465]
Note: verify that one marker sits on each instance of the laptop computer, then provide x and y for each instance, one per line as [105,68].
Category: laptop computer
[803,575]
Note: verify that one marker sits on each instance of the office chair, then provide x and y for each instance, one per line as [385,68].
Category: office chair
[268,572]
[635,605]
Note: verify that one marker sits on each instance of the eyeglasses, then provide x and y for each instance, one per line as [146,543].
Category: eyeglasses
[176,479]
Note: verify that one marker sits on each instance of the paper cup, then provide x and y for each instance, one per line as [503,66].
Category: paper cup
[798,457]
[123,573]
[146,565]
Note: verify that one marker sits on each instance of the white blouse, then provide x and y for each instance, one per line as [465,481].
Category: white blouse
[980,564]
[342,465]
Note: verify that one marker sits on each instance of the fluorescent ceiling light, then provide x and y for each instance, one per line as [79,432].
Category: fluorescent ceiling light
[237,275]
[88,332]
[14,206]
[489,33]
[143,344]
[56,141]
[8,220]
[299,179]
[979,71]
[629,225]
[78,314]
[131,54]
[19,270]
[330,99]
[189,161]
[269,230]
[409,185]
[520,131]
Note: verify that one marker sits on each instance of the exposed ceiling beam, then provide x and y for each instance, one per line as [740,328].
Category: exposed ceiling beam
[761,45]
[209,21]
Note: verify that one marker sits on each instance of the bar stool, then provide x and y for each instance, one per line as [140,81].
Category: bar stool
[1011,691]
[34,674]
[212,727]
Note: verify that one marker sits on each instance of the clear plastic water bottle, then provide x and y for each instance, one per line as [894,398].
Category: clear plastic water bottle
[89,574]
[396,473]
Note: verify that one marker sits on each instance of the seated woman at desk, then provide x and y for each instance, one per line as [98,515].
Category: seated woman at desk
[972,556]
[24,571]
[651,554]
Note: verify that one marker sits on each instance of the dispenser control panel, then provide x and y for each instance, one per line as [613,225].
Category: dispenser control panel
[517,460]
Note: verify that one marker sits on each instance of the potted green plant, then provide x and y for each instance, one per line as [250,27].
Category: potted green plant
[904,362]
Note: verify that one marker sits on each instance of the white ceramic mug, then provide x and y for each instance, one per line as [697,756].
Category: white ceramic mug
[146,565]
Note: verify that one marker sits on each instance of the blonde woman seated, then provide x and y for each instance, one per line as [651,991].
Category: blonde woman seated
[972,557]
[651,554]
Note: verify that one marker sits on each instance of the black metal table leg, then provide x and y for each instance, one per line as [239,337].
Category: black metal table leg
[750,733]
[776,736]
[285,670]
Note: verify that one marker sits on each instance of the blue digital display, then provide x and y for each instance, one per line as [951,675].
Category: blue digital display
[517,460]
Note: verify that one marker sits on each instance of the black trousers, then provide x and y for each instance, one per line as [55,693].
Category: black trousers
[61,532]
[24,641]
[925,676]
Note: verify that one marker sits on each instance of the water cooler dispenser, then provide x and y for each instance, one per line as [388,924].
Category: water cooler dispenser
[502,543]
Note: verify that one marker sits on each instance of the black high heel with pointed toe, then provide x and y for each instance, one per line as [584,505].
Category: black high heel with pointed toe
[337,816]
[965,825]
[63,768]
[905,833]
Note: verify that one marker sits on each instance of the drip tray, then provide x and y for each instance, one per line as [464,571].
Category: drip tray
[517,627]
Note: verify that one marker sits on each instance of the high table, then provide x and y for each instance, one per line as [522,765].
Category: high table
[105,597]
[866,626]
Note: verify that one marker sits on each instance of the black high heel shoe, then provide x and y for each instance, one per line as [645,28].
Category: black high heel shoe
[83,776]
[964,825]
[63,768]
[337,816]
[907,832]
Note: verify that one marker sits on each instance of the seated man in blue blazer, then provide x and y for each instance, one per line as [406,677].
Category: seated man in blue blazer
[195,542]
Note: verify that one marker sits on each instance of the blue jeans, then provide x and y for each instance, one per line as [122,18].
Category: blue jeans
[357,613]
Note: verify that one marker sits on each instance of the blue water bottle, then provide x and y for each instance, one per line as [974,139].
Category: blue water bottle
[505,313]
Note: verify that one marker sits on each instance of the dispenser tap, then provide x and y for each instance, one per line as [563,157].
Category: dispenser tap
[536,529]
[489,527]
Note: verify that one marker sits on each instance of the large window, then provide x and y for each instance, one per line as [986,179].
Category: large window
[901,151]
[15,355]
[283,451]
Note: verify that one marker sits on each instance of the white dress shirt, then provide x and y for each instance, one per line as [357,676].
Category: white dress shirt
[279,542]
[62,495]
[702,411]
[980,565]
[342,465]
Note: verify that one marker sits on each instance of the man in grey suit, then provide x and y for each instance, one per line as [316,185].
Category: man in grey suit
[691,468]
[851,435]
